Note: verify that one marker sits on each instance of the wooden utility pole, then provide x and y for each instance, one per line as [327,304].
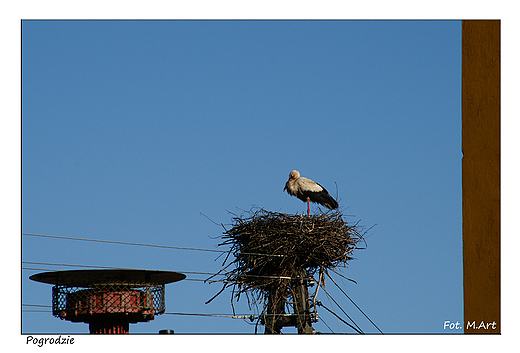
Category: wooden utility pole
[276,317]
[301,304]
[275,310]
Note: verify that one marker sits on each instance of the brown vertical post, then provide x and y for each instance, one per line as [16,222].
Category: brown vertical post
[481,175]
[301,303]
[275,310]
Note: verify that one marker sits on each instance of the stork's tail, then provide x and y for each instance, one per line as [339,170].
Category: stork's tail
[326,200]
[331,203]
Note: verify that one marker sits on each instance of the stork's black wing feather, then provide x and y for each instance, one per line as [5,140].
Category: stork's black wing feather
[322,197]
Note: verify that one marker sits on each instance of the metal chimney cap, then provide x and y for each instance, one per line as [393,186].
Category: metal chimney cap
[81,278]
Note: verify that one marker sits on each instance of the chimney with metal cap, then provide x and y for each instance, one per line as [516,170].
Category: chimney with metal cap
[108,300]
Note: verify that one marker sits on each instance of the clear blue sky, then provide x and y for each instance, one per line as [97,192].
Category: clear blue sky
[131,130]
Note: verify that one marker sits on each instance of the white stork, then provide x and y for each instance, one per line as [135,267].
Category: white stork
[308,190]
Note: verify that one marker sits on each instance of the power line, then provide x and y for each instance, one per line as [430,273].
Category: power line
[49,270]
[190,314]
[38,305]
[231,316]
[330,297]
[37,269]
[123,242]
[251,317]
[142,244]
[192,272]
[119,268]
[333,309]
[355,304]
[319,303]
[214,315]
[125,268]
[326,324]
[202,280]
[104,267]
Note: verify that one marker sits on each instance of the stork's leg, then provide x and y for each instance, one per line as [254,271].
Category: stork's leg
[308,208]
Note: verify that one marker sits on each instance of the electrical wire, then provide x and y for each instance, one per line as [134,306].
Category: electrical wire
[319,303]
[166,313]
[37,310]
[104,267]
[244,317]
[37,269]
[333,309]
[326,324]
[355,304]
[122,242]
[125,268]
[203,280]
[330,297]
[213,315]
[49,270]
[142,244]
[193,279]
[231,316]
[38,305]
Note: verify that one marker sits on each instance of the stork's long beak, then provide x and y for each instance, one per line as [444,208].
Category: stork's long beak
[284,188]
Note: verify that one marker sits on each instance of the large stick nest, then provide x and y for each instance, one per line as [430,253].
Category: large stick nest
[271,247]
